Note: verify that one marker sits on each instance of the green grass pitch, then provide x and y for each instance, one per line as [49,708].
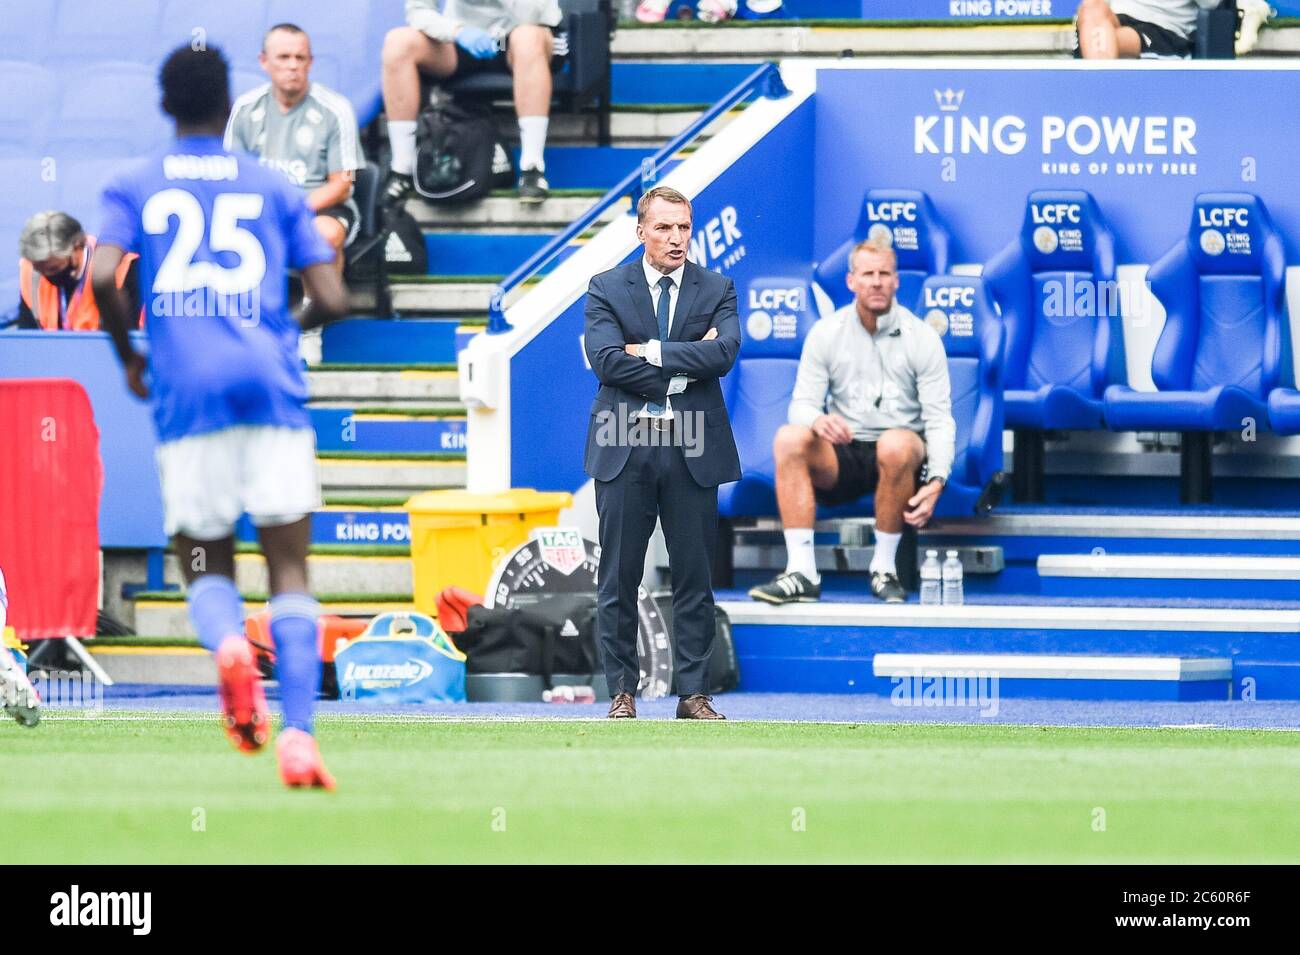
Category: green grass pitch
[150,789]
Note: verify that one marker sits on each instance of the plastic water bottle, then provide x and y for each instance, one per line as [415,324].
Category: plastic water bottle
[953,589]
[931,587]
[569,694]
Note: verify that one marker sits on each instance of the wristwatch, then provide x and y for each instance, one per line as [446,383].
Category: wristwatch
[640,351]
[942,481]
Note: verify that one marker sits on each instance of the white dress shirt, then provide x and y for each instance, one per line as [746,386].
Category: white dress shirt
[653,351]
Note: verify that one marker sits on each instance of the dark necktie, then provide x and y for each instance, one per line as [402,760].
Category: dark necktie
[661,315]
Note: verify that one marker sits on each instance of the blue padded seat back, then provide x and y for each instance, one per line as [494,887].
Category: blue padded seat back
[1061,351]
[236,28]
[775,316]
[964,379]
[758,398]
[1222,289]
[102,29]
[26,107]
[905,218]
[1231,348]
[1056,285]
[961,310]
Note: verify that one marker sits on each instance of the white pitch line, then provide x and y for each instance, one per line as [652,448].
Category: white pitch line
[429,718]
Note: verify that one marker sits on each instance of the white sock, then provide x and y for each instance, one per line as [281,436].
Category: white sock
[532,142]
[401,137]
[799,555]
[882,560]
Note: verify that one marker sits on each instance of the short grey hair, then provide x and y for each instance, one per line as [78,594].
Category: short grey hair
[50,234]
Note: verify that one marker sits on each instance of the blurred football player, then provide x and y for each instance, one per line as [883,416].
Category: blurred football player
[17,695]
[217,233]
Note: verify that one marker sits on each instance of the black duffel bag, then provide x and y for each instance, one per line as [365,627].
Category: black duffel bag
[555,635]
[458,157]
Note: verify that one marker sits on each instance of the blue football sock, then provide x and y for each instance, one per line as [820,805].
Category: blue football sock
[216,609]
[297,656]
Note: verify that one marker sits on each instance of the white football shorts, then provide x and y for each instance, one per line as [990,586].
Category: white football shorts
[209,480]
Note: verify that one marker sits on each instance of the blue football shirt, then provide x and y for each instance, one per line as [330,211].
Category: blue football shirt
[216,233]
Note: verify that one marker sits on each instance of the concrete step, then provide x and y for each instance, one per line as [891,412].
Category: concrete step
[501,215]
[948,678]
[829,647]
[340,475]
[721,43]
[327,573]
[423,388]
[447,297]
[182,666]
[170,617]
[1219,576]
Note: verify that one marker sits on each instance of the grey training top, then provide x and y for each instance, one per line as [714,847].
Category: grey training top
[897,378]
[497,17]
[317,137]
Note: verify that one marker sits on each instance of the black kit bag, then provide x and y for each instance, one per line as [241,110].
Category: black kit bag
[724,667]
[458,157]
[555,635]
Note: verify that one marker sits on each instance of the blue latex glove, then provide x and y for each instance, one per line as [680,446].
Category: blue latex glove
[477,43]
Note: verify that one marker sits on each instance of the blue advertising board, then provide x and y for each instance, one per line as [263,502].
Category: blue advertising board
[1142,141]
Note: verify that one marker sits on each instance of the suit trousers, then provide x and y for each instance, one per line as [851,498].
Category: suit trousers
[654,483]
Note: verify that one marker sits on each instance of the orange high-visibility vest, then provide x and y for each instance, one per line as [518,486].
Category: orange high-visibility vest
[45,299]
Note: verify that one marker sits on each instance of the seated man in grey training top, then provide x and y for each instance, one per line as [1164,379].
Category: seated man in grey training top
[871,411]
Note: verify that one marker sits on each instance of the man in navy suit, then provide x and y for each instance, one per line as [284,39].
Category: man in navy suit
[660,333]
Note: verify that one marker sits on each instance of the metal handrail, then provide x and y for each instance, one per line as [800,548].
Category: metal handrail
[767,76]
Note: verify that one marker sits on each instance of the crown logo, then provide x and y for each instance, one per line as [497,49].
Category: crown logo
[949,100]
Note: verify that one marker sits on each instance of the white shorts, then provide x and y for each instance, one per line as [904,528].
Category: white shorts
[209,480]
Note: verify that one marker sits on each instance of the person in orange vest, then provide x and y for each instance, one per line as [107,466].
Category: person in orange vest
[54,275]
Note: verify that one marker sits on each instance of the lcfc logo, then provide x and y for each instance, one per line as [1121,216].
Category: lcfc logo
[1222,217]
[1212,242]
[897,210]
[881,234]
[1045,240]
[950,296]
[937,319]
[759,325]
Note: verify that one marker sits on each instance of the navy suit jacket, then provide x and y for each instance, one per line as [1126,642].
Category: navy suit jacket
[620,312]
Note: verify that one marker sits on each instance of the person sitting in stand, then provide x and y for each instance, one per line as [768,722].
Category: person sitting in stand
[54,275]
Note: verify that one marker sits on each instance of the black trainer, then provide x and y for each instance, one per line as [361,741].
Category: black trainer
[887,588]
[397,188]
[533,187]
[788,588]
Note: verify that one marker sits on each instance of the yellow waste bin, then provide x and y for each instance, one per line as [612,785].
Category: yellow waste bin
[457,537]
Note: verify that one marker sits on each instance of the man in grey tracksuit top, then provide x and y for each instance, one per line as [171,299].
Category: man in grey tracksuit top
[871,411]
[518,37]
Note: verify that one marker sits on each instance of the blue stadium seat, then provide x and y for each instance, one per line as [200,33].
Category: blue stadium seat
[759,387]
[93,30]
[25,30]
[1225,344]
[1055,284]
[241,81]
[906,218]
[110,109]
[31,95]
[961,309]
[758,390]
[337,30]
[81,181]
[30,187]
[234,27]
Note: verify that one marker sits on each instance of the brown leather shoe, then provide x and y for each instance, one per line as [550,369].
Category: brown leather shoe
[697,706]
[622,707]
